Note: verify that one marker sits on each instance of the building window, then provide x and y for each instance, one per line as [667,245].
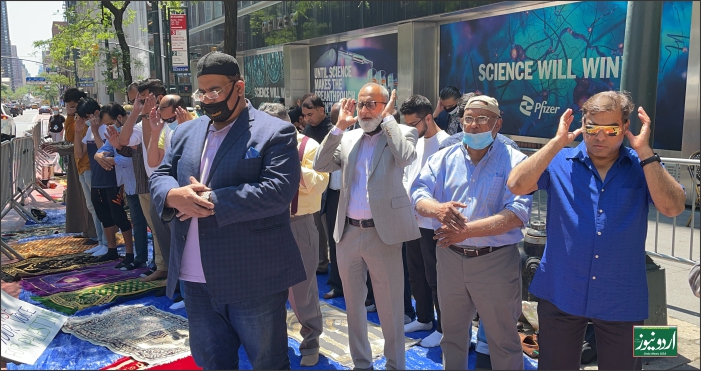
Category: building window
[207,11]
[218,9]
[200,13]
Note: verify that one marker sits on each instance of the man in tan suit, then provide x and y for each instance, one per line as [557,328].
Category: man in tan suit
[374,216]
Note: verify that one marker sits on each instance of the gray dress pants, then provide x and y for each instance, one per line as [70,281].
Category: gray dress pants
[361,251]
[304,296]
[491,285]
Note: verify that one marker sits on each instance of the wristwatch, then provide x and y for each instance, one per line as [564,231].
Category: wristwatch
[648,160]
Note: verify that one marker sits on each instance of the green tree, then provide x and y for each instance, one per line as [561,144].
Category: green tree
[6,91]
[86,32]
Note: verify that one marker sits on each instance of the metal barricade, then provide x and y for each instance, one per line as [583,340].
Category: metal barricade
[665,237]
[6,193]
[24,174]
[41,157]
[6,189]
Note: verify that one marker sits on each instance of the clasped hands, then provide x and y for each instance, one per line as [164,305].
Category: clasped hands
[454,224]
[188,202]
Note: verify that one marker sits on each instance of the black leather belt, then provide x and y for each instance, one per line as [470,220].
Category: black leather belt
[475,252]
[366,223]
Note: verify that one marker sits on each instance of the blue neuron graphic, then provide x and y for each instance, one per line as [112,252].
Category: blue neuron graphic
[258,71]
[273,61]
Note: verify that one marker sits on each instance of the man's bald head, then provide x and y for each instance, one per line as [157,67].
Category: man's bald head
[171,100]
[168,104]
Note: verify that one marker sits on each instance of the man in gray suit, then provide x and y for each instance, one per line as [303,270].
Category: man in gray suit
[374,216]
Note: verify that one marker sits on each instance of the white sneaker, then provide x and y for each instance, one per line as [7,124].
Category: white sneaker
[93,249]
[102,251]
[417,326]
[432,340]
[178,305]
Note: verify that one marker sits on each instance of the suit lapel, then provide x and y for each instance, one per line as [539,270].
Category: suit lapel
[377,152]
[197,140]
[241,125]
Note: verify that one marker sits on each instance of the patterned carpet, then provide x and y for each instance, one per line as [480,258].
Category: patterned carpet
[45,265]
[334,338]
[56,246]
[73,301]
[152,336]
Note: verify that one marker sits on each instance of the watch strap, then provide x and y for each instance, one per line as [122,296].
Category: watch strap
[651,159]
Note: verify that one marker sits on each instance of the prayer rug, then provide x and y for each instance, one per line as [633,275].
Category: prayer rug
[128,363]
[56,246]
[144,333]
[39,230]
[77,280]
[334,341]
[73,301]
[45,265]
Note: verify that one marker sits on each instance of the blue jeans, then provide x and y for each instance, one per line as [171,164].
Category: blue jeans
[86,184]
[217,330]
[138,222]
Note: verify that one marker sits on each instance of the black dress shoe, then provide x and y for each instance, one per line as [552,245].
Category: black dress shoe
[333,294]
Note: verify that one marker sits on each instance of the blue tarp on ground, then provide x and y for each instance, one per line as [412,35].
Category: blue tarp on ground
[67,352]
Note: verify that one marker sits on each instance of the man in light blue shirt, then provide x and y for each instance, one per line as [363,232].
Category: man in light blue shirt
[478,225]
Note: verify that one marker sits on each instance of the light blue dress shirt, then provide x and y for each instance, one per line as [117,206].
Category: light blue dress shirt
[124,168]
[450,175]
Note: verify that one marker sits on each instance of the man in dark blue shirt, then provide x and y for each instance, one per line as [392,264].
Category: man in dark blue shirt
[593,266]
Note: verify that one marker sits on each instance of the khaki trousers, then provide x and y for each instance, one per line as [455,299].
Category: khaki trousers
[361,251]
[157,231]
[491,285]
[304,296]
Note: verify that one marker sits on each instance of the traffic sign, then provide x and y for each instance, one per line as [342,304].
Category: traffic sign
[47,87]
[86,82]
[36,81]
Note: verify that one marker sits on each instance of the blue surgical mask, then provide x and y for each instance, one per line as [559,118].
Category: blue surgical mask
[173,125]
[479,140]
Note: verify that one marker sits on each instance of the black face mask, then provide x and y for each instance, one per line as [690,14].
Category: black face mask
[220,111]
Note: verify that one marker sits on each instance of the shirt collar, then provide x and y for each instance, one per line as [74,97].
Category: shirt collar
[580,153]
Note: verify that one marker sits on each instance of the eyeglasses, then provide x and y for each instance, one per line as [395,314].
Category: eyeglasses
[416,123]
[610,130]
[170,120]
[212,95]
[370,105]
[481,120]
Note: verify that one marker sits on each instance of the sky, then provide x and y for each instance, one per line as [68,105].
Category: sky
[40,15]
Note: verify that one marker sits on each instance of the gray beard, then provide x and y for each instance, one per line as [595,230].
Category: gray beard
[370,125]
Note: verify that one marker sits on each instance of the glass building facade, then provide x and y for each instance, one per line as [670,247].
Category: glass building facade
[290,21]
